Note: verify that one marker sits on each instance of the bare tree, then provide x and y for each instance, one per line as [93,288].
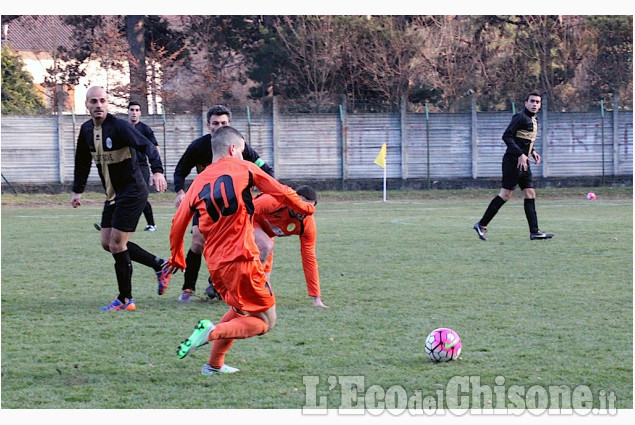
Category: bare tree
[389,52]
[313,45]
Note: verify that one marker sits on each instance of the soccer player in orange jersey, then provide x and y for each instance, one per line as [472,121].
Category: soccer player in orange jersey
[273,218]
[221,194]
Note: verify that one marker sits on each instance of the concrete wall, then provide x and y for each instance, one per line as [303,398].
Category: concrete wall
[341,148]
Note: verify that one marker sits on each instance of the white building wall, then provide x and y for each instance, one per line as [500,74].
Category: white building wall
[36,63]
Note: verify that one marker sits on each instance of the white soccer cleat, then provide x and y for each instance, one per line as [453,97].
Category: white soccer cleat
[208,370]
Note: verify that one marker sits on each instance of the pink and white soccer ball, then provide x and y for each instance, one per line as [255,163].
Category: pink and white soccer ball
[443,345]
[591,196]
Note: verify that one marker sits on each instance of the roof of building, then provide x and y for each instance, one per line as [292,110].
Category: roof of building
[37,33]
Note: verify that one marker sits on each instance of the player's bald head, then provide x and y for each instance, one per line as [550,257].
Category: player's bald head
[96,92]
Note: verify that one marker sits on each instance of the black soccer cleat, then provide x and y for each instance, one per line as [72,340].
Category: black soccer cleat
[481,231]
[540,235]
[211,293]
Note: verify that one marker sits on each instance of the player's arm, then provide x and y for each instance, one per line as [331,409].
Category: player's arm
[184,167]
[249,154]
[141,143]
[180,223]
[83,162]
[150,135]
[282,193]
[265,204]
[309,259]
[510,132]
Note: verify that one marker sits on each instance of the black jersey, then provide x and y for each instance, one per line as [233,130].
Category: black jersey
[521,133]
[146,131]
[111,146]
[199,154]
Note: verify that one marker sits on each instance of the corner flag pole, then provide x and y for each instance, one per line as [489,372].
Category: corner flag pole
[381,161]
[384,184]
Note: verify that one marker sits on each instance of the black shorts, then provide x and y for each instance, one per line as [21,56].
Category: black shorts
[512,176]
[124,213]
[197,215]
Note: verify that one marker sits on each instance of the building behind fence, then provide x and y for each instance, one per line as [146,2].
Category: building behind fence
[337,149]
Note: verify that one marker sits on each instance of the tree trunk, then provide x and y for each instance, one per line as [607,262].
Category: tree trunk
[138,81]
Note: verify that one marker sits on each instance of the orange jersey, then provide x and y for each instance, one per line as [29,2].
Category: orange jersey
[222,195]
[274,218]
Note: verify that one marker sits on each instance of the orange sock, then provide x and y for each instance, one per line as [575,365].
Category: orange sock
[239,327]
[232,326]
[220,347]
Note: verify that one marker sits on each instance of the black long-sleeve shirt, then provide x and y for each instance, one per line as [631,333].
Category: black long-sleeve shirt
[112,146]
[146,130]
[199,154]
[520,133]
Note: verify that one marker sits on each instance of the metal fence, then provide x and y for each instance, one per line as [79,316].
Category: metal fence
[341,147]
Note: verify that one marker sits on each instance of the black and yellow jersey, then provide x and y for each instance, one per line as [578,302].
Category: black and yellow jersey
[521,133]
[113,147]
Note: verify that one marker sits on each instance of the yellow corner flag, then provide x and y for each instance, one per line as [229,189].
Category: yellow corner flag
[381,158]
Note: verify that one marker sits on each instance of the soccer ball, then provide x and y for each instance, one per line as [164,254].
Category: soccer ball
[443,345]
[591,196]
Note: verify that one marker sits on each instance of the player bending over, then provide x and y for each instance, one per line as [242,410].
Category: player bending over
[272,218]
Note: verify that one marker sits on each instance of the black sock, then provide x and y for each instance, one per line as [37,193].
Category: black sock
[192,266]
[142,256]
[530,213]
[123,270]
[147,213]
[492,209]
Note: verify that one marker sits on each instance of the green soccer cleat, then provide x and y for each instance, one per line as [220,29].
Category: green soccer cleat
[224,369]
[199,337]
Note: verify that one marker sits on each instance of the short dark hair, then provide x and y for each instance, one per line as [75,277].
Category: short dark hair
[223,137]
[308,192]
[533,93]
[134,103]
[219,110]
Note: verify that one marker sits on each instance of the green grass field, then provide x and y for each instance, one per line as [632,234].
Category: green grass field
[531,314]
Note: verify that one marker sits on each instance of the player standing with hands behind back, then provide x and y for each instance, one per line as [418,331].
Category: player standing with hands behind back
[519,137]
[221,194]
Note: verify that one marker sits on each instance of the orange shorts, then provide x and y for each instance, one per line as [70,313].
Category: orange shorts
[243,284]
